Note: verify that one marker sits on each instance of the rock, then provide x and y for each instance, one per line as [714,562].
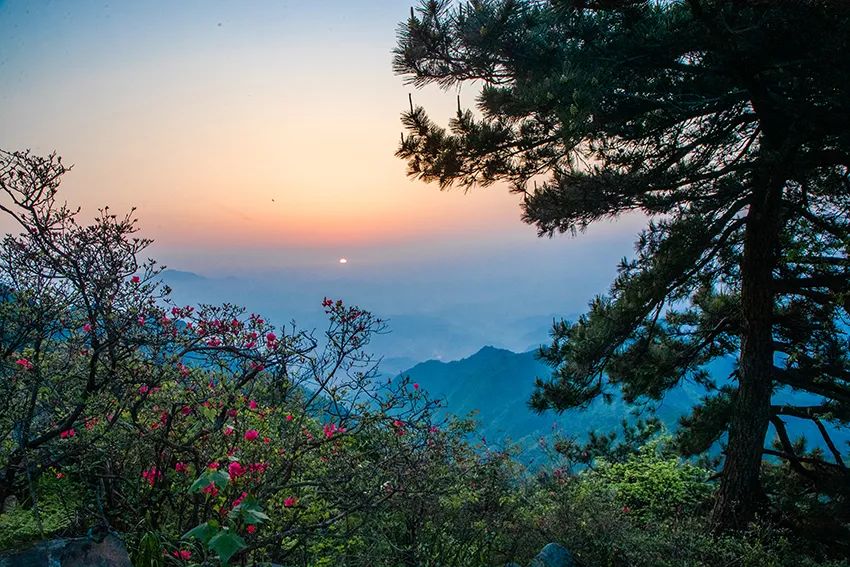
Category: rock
[76,552]
[553,555]
[9,504]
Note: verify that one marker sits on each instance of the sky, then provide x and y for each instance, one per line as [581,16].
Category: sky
[256,140]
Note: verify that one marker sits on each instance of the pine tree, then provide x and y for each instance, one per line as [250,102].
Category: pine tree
[728,125]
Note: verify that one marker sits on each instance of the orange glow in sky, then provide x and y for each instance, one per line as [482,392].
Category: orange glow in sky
[263,123]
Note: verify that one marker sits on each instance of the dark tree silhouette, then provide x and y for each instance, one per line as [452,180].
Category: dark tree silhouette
[728,125]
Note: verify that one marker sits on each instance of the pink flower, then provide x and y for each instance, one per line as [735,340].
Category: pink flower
[239,500]
[135,279]
[415,386]
[251,434]
[251,528]
[235,469]
[181,467]
[24,363]
[60,475]
[186,410]
[331,429]
[183,554]
[232,412]
[213,466]
[267,440]
[399,427]
[144,388]
[289,502]
[68,433]
[228,430]
[210,489]
[289,417]
[252,404]
[87,328]
[151,475]
[141,320]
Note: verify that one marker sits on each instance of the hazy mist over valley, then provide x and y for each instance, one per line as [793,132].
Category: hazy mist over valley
[441,302]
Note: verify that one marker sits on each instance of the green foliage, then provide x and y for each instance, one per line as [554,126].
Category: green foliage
[21,526]
[208,477]
[225,544]
[651,485]
[627,514]
[203,532]
[148,552]
[54,514]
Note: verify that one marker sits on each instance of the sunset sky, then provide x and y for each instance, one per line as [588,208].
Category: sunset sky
[201,114]
[235,126]
[257,138]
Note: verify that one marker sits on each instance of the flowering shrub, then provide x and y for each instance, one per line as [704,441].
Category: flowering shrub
[203,422]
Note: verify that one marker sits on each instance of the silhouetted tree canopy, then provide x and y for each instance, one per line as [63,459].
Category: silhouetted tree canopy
[728,125]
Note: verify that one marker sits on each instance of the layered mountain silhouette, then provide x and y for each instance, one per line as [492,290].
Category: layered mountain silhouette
[496,384]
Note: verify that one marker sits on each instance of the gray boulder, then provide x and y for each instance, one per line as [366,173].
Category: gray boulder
[553,555]
[76,552]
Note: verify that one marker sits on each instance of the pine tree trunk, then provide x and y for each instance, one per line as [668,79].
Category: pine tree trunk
[740,493]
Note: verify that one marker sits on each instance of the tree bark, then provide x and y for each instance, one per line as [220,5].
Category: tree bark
[740,494]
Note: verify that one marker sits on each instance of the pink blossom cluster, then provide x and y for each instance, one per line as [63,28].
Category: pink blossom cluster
[331,429]
[183,554]
[151,475]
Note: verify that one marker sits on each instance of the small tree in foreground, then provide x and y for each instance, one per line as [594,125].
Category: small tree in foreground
[724,122]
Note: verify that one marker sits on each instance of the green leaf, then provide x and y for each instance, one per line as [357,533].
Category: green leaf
[203,532]
[249,511]
[226,544]
[220,478]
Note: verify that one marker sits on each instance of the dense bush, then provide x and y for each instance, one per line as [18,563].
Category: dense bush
[652,509]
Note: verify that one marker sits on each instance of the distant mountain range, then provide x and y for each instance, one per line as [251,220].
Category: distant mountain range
[497,384]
